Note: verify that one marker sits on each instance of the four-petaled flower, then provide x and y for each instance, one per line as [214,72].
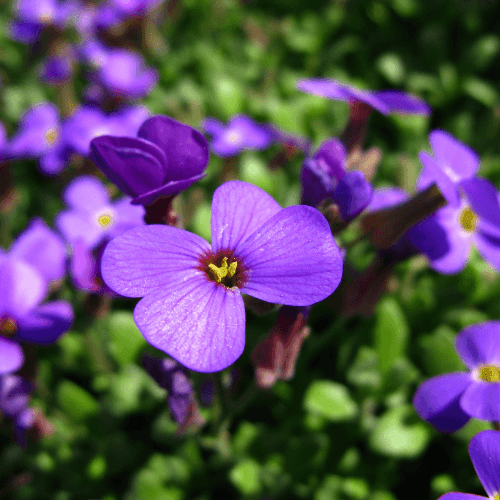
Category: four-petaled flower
[448,401]
[192,307]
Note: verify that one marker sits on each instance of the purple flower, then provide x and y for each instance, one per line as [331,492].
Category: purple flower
[85,269]
[484,451]
[476,221]
[121,72]
[173,377]
[289,140]
[239,134]
[192,307]
[57,68]
[14,398]
[39,136]
[452,163]
[384,101]
[21,316]
[93,217]
[448,401]
[42,248]
[324,176]
[166,158]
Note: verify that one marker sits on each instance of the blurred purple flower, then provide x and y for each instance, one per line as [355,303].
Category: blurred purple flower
[240,133]
[165,159]
[484,451]
[42,248]
[85,269]
[452,163]
[57,68]
[448,401]
[14,398]
[476,221]
[192,307]
[384,101]
[93,217]
[324,176]
[173,377]
[289,140]
[39,136]
[21,316]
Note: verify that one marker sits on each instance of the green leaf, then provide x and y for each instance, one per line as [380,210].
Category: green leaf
[76,401]
[246,477]
[330,400]
[391,333]
[125,338]
[393,437]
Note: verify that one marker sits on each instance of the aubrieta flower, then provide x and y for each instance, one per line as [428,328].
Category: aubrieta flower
[324,176]
[22,318]
[484,451]
[192,307]
[173,377]
[42,248]
[384,101]
[14,399]
[239,134]
[57,68]
[451,163]
[166,158]
[93,217]
[475,221]
[448,401]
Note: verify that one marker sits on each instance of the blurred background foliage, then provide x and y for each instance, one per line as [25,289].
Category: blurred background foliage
[343,427]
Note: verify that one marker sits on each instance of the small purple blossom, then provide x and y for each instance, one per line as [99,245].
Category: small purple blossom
[57,68]
[42,248]
[166,158]
[22,318]
[484,451]
[324,176]
[239,134]
[448,401]
[14,398]
[384,101]
[173,377]
[452,163]
[93,217]
[192,307]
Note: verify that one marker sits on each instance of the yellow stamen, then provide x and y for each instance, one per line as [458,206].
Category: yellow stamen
[8,327]
[46,17]
[51,136]
[234,137]
[105,220]
[489,373]
[224,270]
[467,219]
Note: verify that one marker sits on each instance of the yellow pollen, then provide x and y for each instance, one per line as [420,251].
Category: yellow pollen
[51,136]
[489,373]
[496,497]
[105,220]
[234,137]
[224,270]
[467,219]
[8,327]
[46,17]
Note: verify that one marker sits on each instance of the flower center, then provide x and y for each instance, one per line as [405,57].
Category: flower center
[51,136]
[489,373]
[46,17]
[224,269]
[8,326]
[234,137]
[467,220]
[105,220]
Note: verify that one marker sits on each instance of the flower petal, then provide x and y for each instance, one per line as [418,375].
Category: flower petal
[437,401]
[185,147]
[489,247]
[200,324]
[483,200]
[135,165]
[239,209]
[86,194]
[78,227]
[292,258]
[461,496]
[400,102]
[480,400]
[127,217]
[41,247]
[146,258]
[11,356]
[484,451]
[479,344]
[46,323]
[442,175]
[23,287]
